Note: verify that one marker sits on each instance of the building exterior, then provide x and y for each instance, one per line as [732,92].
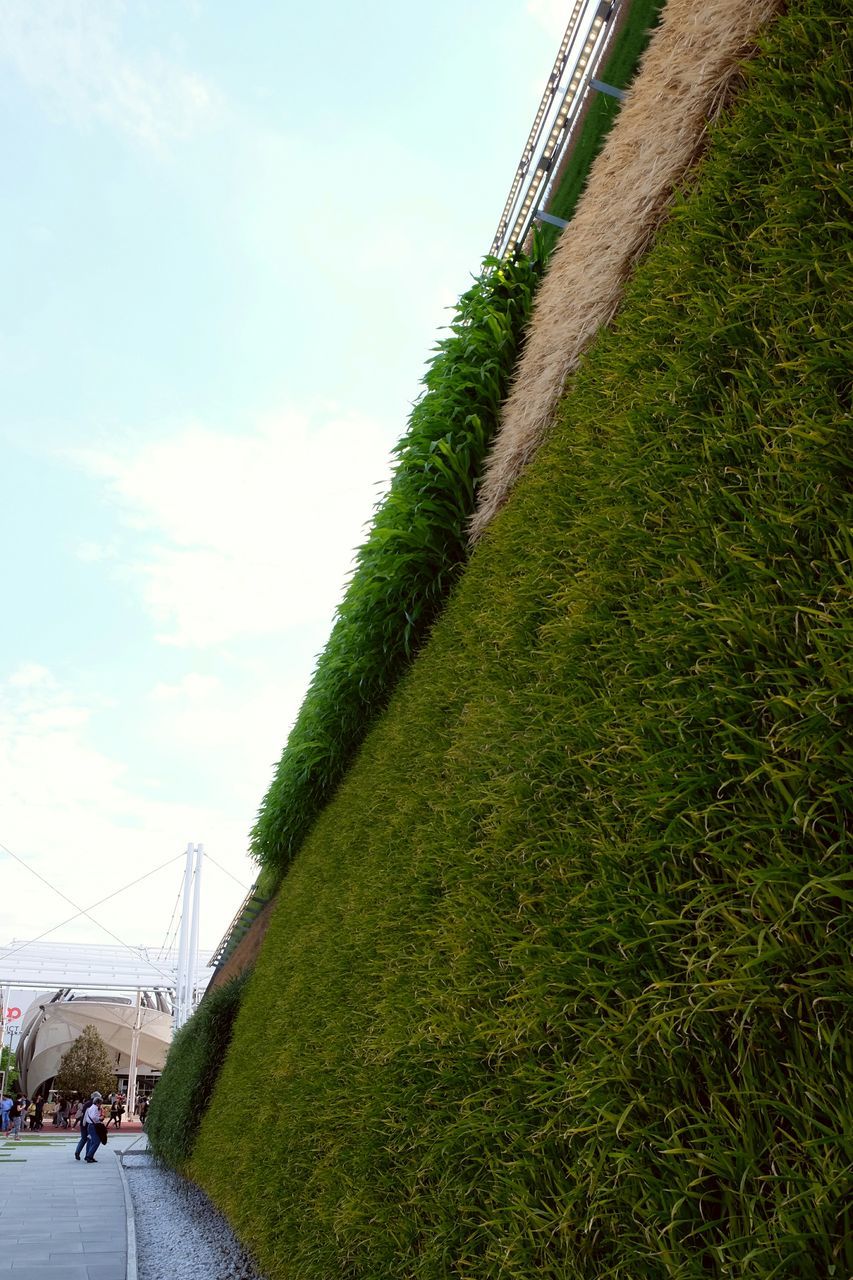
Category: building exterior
[55,1019]
[133,996]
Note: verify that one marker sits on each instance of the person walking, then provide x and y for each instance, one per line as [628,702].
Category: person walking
[84,1128]
[5,1107]
[38,1113]
[16,1115]
[93,1117]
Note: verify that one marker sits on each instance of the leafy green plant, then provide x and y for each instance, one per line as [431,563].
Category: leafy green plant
[195,1058]
[9,1065]
[86,1065]
[412,556]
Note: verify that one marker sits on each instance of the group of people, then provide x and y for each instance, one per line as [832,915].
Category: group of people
[69,1113]
[63,1112]
[117,1102]
[14,1112]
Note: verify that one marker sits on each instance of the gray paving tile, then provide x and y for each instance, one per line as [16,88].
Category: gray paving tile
[50,1239]
[48,1272]
[54,1222]
[79,1230]
[61,1214]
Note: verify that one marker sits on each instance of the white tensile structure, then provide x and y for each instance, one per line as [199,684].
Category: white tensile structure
[136,997]
[128,996]
[139,1033]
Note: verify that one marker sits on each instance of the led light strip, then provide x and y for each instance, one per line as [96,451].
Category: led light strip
[517,217]
[545,104]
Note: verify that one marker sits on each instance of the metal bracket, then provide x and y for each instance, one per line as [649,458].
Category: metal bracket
[608,89]
[549,217]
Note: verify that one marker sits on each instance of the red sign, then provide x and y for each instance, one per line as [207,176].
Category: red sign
[12,1015]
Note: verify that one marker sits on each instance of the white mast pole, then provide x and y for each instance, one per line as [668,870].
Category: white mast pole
[134,1057]
[183,944]
[192,959]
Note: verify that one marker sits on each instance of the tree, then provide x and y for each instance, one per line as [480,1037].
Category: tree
[86,1066]
[7,1064]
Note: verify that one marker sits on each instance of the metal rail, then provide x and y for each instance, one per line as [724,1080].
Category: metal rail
[559,112]
[239,926]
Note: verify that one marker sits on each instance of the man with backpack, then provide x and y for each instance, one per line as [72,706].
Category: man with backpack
[94,1121]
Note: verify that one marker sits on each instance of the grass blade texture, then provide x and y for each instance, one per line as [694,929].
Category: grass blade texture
[195,1057]
[412,555]
[556,987]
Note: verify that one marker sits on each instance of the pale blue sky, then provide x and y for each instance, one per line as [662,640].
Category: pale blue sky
[228,233]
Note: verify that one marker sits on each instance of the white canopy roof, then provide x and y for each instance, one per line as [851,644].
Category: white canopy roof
[51,1027]
[90,967]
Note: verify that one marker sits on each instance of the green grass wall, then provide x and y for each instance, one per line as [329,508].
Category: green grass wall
[556,986]
[195,1058]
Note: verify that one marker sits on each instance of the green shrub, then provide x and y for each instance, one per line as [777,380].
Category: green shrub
[195,1057]
[412,556]
[556,986]
[86,1065]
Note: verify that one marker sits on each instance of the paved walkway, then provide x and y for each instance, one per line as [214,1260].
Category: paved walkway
[61,1219]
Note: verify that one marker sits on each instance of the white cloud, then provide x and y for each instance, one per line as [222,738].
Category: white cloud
[234,725]
[193,688]
[69,52]
[247,534]
[82,820]
[225,537]
[32,675]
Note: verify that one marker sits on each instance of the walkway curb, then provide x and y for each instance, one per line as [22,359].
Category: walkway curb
[130,1220]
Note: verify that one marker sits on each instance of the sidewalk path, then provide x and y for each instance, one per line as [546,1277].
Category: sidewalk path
[61,1219]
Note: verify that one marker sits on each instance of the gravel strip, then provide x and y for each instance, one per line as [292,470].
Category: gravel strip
[179,1234]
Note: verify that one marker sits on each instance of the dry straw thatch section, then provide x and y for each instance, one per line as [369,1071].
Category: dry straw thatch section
[682,83]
